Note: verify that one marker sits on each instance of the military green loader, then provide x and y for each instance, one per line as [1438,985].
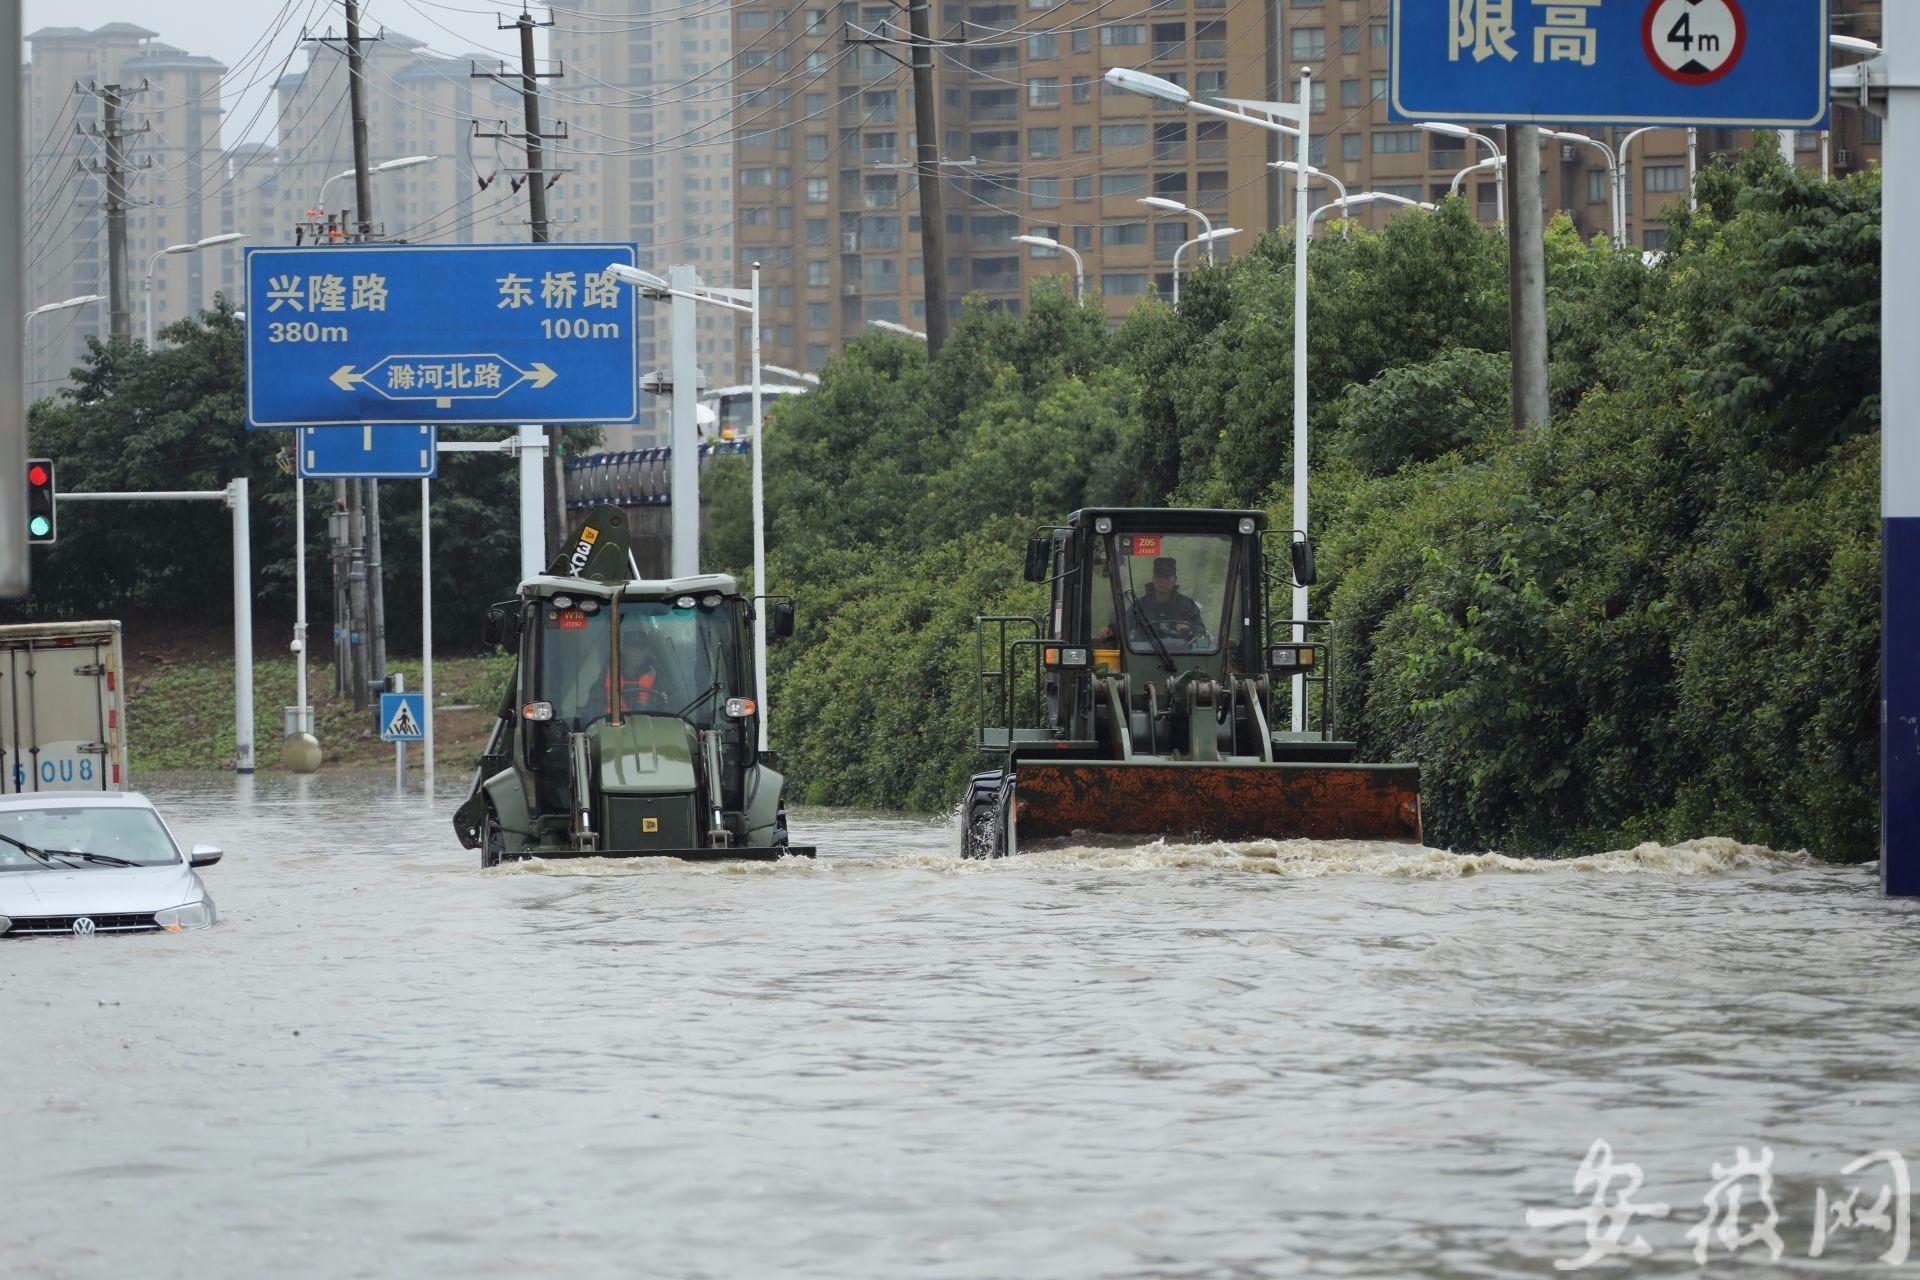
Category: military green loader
[1156,696]
[629,728]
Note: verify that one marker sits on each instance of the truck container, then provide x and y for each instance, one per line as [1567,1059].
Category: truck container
[63,721]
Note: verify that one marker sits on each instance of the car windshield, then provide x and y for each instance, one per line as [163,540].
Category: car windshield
[130,834]
[670,653]
[1174,587]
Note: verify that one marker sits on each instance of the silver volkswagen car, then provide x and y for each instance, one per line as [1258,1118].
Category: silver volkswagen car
[82,863]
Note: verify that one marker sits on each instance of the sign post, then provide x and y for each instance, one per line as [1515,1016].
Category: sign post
[427,334]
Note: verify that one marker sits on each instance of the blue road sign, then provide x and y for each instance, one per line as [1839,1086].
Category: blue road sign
[1728,63]
[367,452]
[482,333]
[403,717]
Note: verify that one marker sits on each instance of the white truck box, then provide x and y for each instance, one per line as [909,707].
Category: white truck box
[63,722]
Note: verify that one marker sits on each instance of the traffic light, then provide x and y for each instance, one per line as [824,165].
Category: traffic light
[42,526]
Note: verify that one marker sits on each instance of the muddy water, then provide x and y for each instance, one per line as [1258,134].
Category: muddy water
[1259,1061]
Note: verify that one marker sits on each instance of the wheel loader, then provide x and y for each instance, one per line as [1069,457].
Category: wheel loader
[629,727]
[1156,697]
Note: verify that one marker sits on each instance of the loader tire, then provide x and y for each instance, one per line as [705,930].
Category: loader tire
[493,841]
[982,833]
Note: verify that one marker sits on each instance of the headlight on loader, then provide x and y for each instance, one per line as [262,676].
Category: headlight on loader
[1291,658]
[1067,658]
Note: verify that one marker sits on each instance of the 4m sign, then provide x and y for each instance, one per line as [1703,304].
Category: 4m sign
[1694,41]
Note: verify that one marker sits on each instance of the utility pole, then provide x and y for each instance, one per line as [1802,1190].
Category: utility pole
[112,133]
[1526,278]
[926,160]
[371,607]
[933,221]
[533,138]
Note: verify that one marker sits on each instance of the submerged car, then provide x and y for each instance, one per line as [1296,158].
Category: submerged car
[81,864]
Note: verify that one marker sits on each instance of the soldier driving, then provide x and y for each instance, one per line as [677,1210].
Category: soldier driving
[1165,608]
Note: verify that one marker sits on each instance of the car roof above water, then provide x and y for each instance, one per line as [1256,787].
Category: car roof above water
[75,800]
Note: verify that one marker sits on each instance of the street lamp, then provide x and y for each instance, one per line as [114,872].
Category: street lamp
[893,327]
[1174,206]
[1364,197]
[1842,44]
[1293,119]
[686,445]
[1446,130]
[26,388]
[810,379]
[1617,211]
[1498,165]
[191,247]
[1293,166]
[1052,246]
[385,166]
[1206,238]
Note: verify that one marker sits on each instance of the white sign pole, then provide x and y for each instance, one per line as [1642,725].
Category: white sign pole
[1900,459]
[300,596]
[242,627]
[759,532]
[426,632]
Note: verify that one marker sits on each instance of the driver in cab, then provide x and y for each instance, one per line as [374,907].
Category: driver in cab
[1166,609]
[643,683]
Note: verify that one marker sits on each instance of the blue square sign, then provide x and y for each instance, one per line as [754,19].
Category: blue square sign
[367,452]
[463,333]
[1718,63]
[403,717]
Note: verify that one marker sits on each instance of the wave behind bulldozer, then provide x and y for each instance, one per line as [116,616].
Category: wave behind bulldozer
[1159,697]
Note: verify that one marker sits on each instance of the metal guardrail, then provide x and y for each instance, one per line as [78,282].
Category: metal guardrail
[634,477]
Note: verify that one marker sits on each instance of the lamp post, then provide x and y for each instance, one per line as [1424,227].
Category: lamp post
[685,555]
[891,326]
[1620,187]
[1617,211]
[26,328]
[1364,197]
[1207,238]
[1446,130]
[1496,165]
[1292,119]
[1292,166]
[193,246]
[385,166]
[1051,246]
[1174,206]
[1842,44]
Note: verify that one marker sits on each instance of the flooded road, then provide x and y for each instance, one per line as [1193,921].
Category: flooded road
[1266,1061]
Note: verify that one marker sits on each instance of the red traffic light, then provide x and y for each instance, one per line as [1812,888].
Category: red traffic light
[37,474]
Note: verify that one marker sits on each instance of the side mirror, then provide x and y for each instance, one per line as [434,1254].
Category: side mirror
[782,620]
[1039,551]
[203,855]
[500,628]
[1304,572]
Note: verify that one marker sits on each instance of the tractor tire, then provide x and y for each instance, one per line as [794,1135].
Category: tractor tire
[982,832]
[493,841]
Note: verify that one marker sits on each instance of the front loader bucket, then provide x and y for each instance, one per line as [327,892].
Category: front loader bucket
[1053,799]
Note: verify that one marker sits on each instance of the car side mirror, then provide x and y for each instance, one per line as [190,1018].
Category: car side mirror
[1304,571]
[1039,551]
[782,619]
[500,628]
[204,855]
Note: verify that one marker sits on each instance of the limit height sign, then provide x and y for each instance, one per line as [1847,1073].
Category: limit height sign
[431,334]
[1726,63]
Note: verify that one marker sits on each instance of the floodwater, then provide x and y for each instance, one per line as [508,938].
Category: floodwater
[1340,1060]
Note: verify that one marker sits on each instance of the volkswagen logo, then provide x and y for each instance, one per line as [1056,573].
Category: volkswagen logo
[84,927]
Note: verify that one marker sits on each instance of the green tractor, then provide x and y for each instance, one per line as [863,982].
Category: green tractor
[629,728]
[1156,696]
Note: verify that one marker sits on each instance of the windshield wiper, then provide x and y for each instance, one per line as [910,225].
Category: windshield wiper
[104,859]
[683,712]
[38,855]
[1153,634]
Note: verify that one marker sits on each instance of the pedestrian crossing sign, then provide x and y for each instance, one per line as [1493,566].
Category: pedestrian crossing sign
[403,717]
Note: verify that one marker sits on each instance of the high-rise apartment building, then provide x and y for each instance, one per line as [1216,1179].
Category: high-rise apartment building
[644,91]
[1033,142]
[173,149]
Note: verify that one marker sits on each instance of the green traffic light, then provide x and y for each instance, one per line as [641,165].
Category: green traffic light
[40,526]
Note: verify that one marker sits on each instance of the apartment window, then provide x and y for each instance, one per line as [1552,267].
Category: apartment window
[1000,145]
[817,231]
[819,274]
[1210,139]
[1350,93]
[754,21]
[995,228]
[1122,233]
[816,62]
[1169,39]
[994,104]
[816,146]
[1212,187]
[879,231]
[1043,47]
[819,315]
[815,105]
[1082,40]
[786,335]
[816,190]
[1351,146]
[1047,233]
[1043,143]
[1391,142]
[1083,238]
[1122,283]
[1169,234]
[1083,90]
[1596,186]
[783,296]
[1043,91]
[1349,40]
[879,147]
[753,58]
[1307,44]
[880,104]
[883,309]
[1214,83]
[1654,238]
[1666,177]
[1123,184]
[1317,153]
[1381,36]
[1122,135]
[1044,193]
[756,177]
[1130,34]
[1170,141]
[1210,39]
[1377,88]
[816,21]
[1083,188]
[1171,184]
[1306,4]
[1082,137]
